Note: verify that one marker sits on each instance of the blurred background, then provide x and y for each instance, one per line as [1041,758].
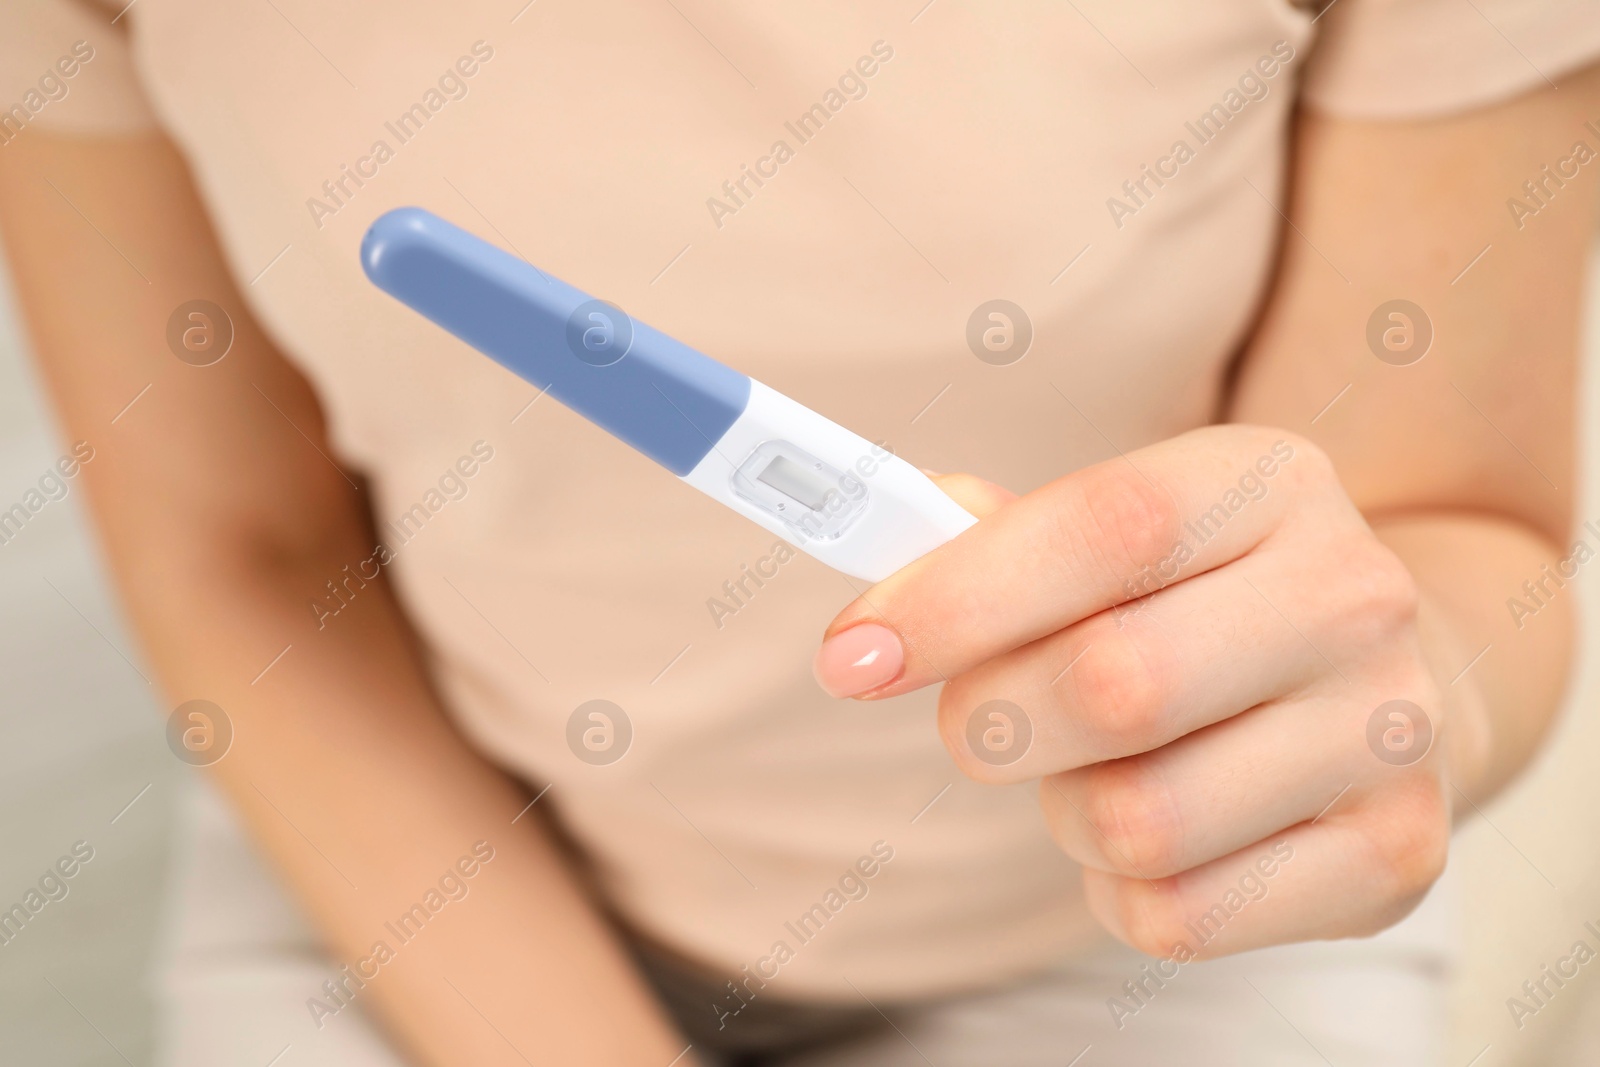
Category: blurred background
[83,757]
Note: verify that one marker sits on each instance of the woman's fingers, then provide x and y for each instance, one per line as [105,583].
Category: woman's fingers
[1217,790]
[1136,677]
[871,654]
[1382,853]
[1099,537]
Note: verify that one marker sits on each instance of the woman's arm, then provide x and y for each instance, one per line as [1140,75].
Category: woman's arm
[1463,462]
[221,519]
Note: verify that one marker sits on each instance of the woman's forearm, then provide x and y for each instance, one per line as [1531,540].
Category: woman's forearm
[349,775]
[221,522]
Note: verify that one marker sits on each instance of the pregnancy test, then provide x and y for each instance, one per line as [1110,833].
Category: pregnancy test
[850,503]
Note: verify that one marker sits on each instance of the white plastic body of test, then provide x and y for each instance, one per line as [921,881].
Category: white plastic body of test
[906,515]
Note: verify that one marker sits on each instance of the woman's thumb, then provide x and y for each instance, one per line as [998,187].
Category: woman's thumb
[981,498]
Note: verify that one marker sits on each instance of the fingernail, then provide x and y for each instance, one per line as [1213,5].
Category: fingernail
[858,660]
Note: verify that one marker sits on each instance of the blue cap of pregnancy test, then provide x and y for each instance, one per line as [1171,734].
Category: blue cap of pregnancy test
[659,395]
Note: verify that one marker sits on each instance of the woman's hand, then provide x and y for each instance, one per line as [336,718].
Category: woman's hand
[1216,669]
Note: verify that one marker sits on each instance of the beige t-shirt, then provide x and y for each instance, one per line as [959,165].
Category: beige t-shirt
[933,160]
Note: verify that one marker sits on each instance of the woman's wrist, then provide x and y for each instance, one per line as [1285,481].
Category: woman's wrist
[1499,684]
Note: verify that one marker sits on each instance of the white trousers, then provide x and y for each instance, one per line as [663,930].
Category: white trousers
[241,961]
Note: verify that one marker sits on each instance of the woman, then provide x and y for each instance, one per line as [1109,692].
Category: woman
[1268,314]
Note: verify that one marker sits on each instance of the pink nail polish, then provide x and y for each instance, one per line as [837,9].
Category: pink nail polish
[858,660]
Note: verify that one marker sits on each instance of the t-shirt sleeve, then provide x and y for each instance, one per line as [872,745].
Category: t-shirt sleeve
[65,67]
[1415,58]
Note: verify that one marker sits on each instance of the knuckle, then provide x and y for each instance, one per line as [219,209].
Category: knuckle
[1135,523]
[1121,693]
[956,704]
[1396,595]
[959,701]
[1150,915]
[1409,841]
[1309,463]
[1383,596]
[1135,823]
